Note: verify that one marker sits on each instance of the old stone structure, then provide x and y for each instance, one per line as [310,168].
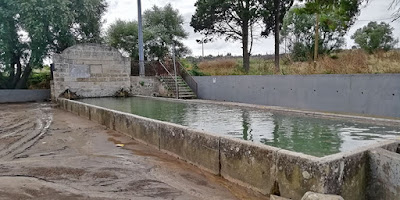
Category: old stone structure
[90,70]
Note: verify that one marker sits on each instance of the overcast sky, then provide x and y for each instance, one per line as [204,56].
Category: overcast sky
[376,10]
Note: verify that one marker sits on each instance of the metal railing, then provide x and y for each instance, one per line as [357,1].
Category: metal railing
[173,78]
[188,78]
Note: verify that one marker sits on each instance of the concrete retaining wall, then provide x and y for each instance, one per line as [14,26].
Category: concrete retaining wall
[265,169]
[20,96]
[372,94]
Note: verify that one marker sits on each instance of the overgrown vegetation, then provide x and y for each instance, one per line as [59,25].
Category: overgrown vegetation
[30,31]
[345,62]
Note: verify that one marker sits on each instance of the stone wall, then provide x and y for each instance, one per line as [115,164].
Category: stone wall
[370,94]
[148,86]
[90,70]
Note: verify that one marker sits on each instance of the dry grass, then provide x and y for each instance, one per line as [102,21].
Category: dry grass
[347,62]
[219,66]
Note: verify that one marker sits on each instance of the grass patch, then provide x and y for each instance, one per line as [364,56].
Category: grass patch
[345,62]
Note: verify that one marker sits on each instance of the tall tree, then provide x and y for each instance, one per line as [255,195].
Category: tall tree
[345,10]
[375,36]
[163,28]
[33,30]
[233,19]
[165,25]
[273,13]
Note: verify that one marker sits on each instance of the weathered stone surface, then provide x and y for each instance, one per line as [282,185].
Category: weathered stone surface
[248,164]
[274,197]
[384,170]
[90,70]
[147,86]
[199,148]
[297,174]
[317,196]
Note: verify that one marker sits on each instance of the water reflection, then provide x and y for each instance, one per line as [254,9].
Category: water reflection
[301,134]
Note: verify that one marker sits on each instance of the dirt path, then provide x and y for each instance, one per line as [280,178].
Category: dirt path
[46,153]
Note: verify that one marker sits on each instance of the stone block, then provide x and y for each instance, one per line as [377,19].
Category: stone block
[198,148]
[274,197]
[297,173]
[249,164]
[96,69]
[384,170]
[138,128]
[317,196]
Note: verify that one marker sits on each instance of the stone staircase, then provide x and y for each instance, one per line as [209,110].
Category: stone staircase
[184,90]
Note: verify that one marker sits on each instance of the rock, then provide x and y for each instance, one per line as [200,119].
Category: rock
[317,196]
[274,197]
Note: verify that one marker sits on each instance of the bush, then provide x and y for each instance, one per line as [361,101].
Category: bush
[300,52]
[375,37]
[39,80]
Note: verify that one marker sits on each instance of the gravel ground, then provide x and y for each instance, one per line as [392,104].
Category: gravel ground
[47,153]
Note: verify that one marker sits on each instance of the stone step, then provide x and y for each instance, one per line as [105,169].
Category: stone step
[185,92]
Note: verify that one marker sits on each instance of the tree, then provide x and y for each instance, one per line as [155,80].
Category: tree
[162,29]
[299,28]
[166,28]
[343,11]
[233,19]
[30,31]
[273,13]
[375,36]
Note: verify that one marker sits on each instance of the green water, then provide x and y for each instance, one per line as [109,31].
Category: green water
[317,137]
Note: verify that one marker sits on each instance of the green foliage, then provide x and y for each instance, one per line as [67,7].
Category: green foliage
[375,36]
[299,27]
[268,14]
[39,79]
[232,19]
[124,36]
[32,30]
[195,71]
[163,27]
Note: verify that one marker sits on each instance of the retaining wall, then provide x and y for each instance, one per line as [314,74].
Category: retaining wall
[265,169]
[20,96]
[370,94]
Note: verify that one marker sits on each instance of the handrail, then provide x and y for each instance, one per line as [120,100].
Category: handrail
[173,78]
[192,83]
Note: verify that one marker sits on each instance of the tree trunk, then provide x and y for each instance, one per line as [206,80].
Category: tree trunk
[245,43]
[277,53]
[17,76]
[316,40]
[24,79]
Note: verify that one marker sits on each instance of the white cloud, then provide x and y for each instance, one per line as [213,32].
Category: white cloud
[127,10]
